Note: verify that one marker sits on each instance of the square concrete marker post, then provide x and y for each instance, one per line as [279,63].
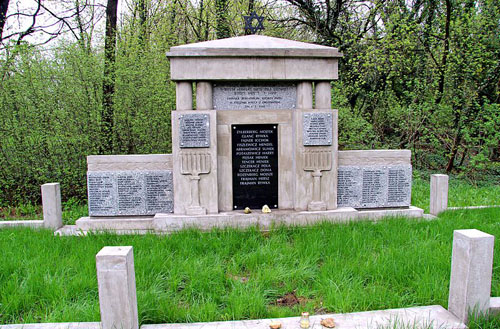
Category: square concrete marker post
[439,193]
[471,269]
[51,204]
[116,282]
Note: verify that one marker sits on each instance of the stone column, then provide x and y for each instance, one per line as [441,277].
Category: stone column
[439,194]
[184,96]
[204,96]
[117,293]
[471,269]
[323,95]
[51,204]
[304,95]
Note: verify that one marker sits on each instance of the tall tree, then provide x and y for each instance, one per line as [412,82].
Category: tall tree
[108,85]
[4,6]
[222,29]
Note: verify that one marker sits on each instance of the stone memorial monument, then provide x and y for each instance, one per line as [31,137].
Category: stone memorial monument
[261,132]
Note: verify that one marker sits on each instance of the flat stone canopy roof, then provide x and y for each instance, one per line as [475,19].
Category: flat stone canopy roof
[253,46]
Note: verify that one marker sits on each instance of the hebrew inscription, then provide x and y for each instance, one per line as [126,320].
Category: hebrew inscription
[113,193]
[374,186]
[262,96]
[317,128]
[194,130]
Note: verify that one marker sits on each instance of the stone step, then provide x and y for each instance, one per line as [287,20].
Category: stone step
[21,223]
[122,223]
[423,317]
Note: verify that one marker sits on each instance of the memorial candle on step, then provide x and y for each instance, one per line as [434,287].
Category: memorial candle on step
[304,320]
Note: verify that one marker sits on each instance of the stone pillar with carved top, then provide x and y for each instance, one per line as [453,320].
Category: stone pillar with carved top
[316,149]
[194,146]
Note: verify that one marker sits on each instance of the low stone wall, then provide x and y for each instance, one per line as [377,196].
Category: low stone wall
[374,179]
[129,184]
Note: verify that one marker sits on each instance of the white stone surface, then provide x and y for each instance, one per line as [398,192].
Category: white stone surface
[117,291]
[172,222]
[129,162]
[66,325]
[184,96]
[494,305]
[115,223]
[51,204]
[471,270]
[204,96]
[254,46]
[439,194]
[473,207]
[411,211]
[374,157]
[304,95]
[207,183]
[429,317]
[21,223]
[323,95]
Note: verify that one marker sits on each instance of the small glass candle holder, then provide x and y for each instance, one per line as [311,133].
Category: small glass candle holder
[304,320]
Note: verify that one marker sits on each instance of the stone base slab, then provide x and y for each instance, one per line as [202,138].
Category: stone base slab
[115,223]
[431,317]
[494,305]
[66,325]
[164,223]
[21,223]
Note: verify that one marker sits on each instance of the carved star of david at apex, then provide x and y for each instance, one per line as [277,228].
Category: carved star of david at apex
[249,22]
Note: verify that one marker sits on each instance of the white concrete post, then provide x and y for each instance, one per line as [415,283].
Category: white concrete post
[51,204]
[322,95]
[439,194]
[184,96]
[471,269]
[304,95]
[204,96]
[116,282]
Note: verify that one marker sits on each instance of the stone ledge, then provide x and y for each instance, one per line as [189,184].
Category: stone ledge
[494,305]
[425,316]
[172,222]
[115,223]
[166,223]
[21,223]
[67,325]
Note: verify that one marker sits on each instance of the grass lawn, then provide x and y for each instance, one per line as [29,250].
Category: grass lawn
[234,274]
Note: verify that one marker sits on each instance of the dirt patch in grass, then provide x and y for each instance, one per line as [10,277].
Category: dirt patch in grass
[290,299]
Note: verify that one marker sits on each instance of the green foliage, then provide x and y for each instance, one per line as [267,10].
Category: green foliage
[415,75]
[228,274]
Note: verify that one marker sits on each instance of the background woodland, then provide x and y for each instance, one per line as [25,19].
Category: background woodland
[81,77]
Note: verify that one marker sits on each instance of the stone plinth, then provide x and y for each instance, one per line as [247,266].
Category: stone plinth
[439,193]
[471,269]
[51,203]
[117,291]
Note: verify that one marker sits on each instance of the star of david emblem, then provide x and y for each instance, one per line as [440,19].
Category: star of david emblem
[249,22]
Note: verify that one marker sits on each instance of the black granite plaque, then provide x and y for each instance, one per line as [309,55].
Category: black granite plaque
[255,165]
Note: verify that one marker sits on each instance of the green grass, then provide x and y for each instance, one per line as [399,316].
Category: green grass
[234,274]
[461,193]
